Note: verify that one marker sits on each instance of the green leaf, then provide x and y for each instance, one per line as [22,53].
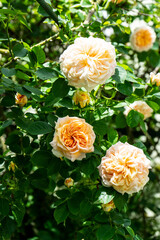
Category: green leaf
[105,232]
[45,73]
[125,88]
[4,207]
[134,118]
[123,139]
[153,105]
[22,75]
[41,158]
[8,100]
[85,207]
[120,75]
[39,54]
[33,90]
[8,11]
[6,123]
[64,193]
[60,88]
[121,121]
[105,198]
[120,201]
[54,165]
[112,135]
[61,213]
[86,3]
[23,21]
[154,58]
[39,179]
[18,211]
[100,126]
[39,127]
[88,166]
[8,226]
[157,95]
[22,91]
[19,50]
[8,72]
[52,119]
[74,203]
[130,231]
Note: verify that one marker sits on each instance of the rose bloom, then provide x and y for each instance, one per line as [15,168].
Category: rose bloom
[21,100]
[141,107]
[125,168]
[117,1]
[108,206]
[155,78]
[142,38]
[88,62]
[73,138]
[81,98]
[69,182]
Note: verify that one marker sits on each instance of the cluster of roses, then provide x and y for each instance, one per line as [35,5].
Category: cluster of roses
[87,63]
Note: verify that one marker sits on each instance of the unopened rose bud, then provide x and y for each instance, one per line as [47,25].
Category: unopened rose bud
[12,166]
[108,206]
[155,78]
[82,98]
[21,100]
[69,182]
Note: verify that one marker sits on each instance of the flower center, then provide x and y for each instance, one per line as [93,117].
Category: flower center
[143,38]
[73,135]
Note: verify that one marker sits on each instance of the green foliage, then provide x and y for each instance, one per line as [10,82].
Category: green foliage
[35,202]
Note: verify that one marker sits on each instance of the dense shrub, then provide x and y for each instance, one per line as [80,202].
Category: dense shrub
[54,135]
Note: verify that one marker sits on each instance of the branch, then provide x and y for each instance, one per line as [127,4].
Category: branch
[5,51]
[45,41]
[49,10]
[91,12]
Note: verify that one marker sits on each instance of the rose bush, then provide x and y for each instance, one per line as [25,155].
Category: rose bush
[80,120]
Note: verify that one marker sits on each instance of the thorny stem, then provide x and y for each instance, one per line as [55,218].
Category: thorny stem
[9,42]
[148,136]
[49,10]
[45,41]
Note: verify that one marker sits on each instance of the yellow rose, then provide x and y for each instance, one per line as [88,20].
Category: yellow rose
[142,38]
[69,182]
[81,98]
[73,138]
[141,107]
[88,62]
[125,168]
[155,78]
[108,206]
[21,99]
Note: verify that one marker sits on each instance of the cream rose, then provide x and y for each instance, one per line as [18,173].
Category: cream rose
[141,107]
[142,38]
[21,100]
[88,62]
[73,138]
[82,98]
[155,78]
[125,168]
